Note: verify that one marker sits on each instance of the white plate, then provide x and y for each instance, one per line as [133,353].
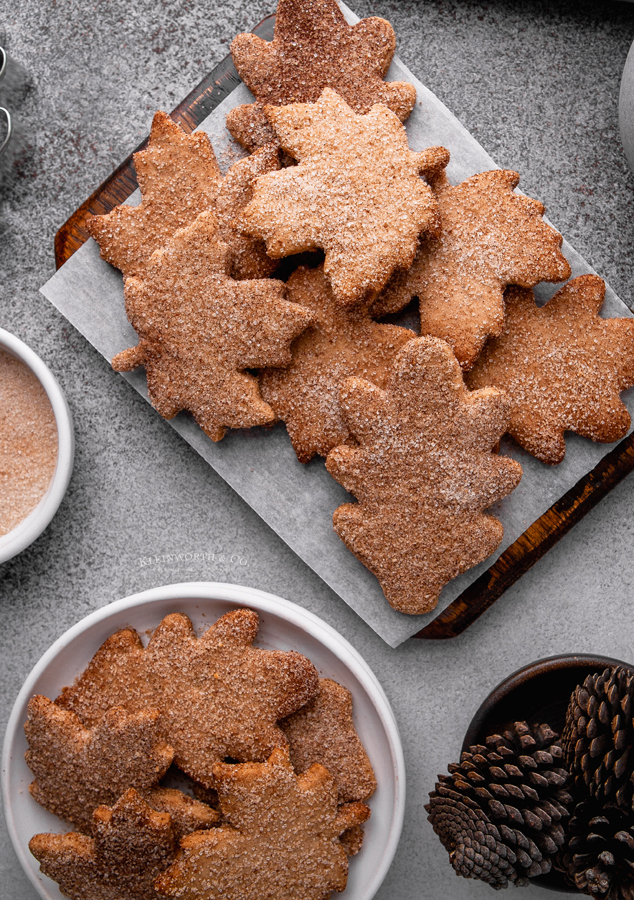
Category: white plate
[283,626]
[26,531]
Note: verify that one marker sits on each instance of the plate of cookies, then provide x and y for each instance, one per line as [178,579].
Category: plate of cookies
[203,741]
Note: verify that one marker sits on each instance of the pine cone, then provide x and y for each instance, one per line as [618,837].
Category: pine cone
[598,857]
[599,736]
[498,812]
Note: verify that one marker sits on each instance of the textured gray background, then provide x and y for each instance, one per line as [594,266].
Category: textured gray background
[537,83]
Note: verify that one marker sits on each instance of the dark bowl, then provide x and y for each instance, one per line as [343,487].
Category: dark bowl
[537,694]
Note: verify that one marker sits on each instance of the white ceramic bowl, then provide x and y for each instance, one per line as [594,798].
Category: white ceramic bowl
[283,626]
[26,531]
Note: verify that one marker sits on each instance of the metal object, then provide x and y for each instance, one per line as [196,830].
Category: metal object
[9,129]
[14,80]
[6,156]
[626,107]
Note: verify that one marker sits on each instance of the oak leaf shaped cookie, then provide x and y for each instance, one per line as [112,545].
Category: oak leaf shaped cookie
[342,342]
[179,178]
[323,732]
[281,838]
[131,846]
[357,193]
[423,473]
[490,237]
[563,367]
[200,330]
[314,48]
[78,769]
[220,696]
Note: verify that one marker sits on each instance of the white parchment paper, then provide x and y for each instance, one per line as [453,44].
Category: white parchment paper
[297,500]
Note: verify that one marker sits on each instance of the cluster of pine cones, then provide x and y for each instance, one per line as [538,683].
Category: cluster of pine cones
[527,801]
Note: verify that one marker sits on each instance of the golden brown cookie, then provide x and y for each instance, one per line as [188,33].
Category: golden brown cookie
[179,178]
[423,473]
[357,193]
[314,48]
[115,676]
[220,696]
[563,367]
[491,237]
[280,840]
[78,769]
[247,256]
[132,845]
[200,330]
[342,342]
[323,732]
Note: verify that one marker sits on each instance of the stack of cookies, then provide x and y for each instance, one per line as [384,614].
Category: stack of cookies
[408,424]
[271,773]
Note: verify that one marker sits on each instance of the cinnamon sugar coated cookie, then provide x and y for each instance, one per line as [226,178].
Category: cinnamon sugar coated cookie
[280,838]
[424,471]
[314,48]
[179,179]
[323,732]
[490,237]
[200,330]
[131,845]
[341,342]
[357,192]
[563,367]
[219,696]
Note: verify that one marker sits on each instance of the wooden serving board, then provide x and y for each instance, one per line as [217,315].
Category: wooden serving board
[536,540]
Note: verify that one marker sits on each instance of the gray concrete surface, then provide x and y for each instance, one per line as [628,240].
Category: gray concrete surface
[537,83]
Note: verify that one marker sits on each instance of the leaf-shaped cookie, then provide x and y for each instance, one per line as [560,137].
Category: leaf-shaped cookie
[281,839]
[132,845]
[563,367]
[423,472]
[179,178]
[357,193]
[314,48]
[200,330]
[220,696]
[323,732]
[342,342]
[491,237]
[78,769]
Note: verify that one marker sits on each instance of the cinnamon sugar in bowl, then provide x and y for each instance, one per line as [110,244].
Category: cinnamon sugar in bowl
[36,446]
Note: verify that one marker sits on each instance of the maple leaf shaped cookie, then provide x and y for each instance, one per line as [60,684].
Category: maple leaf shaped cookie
[281,838]
[314,48]
[357,193]
[423,473]
[179,178]
[342,342]
[490,237]
[77,769]
[131,846]
[323,732]
[200,330]
[220,696]
[563,367]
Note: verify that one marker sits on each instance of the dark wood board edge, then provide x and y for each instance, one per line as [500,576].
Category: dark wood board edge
[536,540]
[533,544]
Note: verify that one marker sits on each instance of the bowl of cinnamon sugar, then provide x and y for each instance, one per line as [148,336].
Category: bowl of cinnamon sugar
[37,446]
